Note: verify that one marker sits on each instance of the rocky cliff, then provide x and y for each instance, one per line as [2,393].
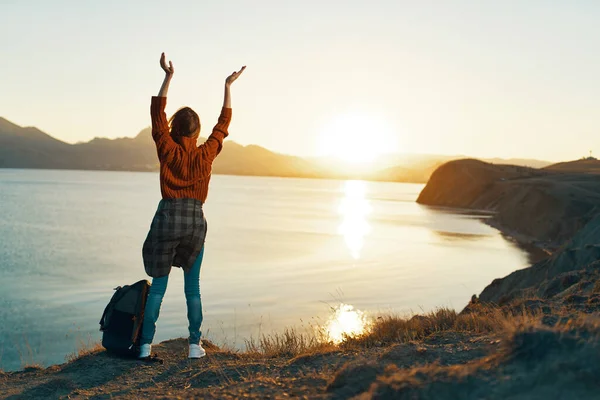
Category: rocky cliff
[572,270]
[544,206]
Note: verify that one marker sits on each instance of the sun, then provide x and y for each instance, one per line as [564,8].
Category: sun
[356,138]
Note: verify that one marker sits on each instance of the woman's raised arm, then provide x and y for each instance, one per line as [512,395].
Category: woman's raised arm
[160,125]
[169,71]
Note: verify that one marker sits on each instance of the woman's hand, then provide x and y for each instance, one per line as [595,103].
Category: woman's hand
[169,70]
[231,78]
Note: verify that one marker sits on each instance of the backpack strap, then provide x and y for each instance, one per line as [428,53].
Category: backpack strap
[139,311]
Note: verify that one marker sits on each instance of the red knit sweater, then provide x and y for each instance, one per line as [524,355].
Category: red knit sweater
[185,168]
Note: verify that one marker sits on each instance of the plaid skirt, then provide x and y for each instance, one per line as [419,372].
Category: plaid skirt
[176,236]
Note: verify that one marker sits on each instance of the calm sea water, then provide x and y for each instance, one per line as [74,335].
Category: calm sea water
[279,253]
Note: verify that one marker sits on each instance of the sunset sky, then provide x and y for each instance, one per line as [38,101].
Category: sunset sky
[480,78]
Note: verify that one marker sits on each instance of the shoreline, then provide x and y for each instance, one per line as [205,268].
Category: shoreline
[521,237]
[536,249]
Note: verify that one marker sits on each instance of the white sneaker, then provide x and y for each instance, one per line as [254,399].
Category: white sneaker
[196,351]
[145,350]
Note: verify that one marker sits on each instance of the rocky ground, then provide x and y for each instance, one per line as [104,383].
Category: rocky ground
[530,351]
[222,374]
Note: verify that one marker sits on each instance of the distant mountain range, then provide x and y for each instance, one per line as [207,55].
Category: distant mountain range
[28,147]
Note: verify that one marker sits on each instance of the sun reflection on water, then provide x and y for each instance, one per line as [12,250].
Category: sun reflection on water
[345,321]
[354,209]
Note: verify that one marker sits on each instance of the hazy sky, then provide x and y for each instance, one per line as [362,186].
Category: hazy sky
[483,78]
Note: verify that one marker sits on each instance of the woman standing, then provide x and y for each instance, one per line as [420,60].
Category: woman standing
[178,229]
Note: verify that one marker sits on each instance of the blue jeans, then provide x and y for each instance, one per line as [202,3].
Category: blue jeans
[192,298]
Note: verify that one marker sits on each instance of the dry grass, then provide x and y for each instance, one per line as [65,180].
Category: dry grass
[290,343]
[388,329]
[29,357]
[596,288]
[394,329]
[84,349]
[32,367]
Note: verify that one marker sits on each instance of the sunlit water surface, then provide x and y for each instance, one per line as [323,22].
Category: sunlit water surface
[279,253]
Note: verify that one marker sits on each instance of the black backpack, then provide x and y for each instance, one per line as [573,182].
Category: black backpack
[121,322]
